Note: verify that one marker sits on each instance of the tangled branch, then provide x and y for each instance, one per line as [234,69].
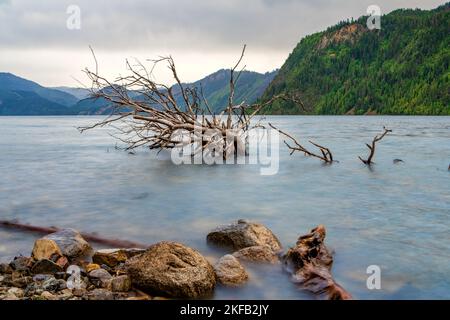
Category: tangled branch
[152,113]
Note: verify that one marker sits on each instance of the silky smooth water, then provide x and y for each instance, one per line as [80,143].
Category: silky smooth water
[395,216]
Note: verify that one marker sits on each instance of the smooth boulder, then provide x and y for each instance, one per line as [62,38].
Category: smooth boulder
[66,242]
[229,271]
[172,269]
[243,234]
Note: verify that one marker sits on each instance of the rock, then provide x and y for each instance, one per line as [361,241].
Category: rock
[9,296]
[243,234]
[5,268]
[48,296]
[396,161]
[61,275]
[51,284]
[100,278]
[257,254]
[100,294]
[19,293]
[121,284]
[21,263]
[310,264]
[66,242]
[92,266]
[19,280]
[113,257]
[63,262]
[45,266]
[42,277]
[229,271]
[65,294]
[79,292]
[172,269]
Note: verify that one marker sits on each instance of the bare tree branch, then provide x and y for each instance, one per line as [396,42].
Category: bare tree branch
[325,153]
[371,147]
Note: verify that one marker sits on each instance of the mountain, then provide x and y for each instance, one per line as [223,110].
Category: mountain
[10,82]
[19,96]
[79,93]
[249,87]
[17,102]
[348,69]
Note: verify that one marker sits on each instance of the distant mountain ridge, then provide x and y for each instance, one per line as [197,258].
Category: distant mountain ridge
[19,96]
[348,69]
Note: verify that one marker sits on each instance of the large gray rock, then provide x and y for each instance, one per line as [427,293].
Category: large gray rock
[229,271]
[66,242]
[257,254]
[243,234]
[172,269]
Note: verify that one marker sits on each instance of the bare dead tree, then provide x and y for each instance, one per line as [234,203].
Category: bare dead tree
[150,113]
[324,155]
[372,146]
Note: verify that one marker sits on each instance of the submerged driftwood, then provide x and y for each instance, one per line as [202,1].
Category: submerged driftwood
[310,264]
[116,243]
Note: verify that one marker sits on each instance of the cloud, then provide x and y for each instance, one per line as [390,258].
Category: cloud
[180,27]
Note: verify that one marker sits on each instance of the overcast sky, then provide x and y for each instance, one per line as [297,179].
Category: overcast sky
[202,35]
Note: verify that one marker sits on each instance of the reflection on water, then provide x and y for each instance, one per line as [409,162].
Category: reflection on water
[395,215]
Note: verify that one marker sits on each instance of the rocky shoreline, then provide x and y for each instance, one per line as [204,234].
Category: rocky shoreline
[63,266]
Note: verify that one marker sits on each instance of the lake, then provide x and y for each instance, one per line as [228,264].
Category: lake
[394,215]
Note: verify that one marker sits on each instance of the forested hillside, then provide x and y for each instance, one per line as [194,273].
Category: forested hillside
[348,69]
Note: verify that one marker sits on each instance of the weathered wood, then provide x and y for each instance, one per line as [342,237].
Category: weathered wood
[116,243]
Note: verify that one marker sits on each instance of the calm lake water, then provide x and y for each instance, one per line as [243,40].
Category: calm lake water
[395,216]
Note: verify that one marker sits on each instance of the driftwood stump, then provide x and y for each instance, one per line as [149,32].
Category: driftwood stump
[310,264]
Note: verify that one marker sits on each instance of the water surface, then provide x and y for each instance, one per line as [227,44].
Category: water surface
[394,215]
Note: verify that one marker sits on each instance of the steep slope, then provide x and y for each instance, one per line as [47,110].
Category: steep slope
[401,69]
[10,82]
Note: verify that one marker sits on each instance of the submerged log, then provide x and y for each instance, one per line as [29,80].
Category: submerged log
[117,243]
[310,264]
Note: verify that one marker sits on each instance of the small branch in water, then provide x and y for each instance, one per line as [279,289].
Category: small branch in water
[325,155]
[116,243]
[372,147]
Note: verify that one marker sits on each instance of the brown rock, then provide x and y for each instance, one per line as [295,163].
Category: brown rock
[257,254]
[113,257]
[67,242]
[243,234]
[100,294]
[310,264]
[63,262]
[229,271]
[92,266]
[121,284]
[45,266]
[5,268]
[172,269]
[100,278]
[21,263]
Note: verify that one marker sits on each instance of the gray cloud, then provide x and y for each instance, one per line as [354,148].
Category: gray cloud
[215,28]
